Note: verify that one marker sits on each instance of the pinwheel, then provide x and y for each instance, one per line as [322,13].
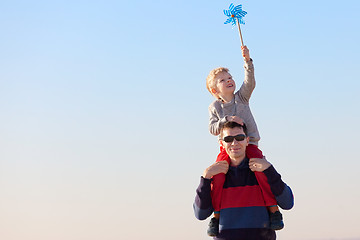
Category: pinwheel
[235,16]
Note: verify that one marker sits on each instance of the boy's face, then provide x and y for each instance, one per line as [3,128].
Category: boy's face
[224,84]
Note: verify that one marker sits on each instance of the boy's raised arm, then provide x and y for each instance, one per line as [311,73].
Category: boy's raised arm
[248,85]
[245,53]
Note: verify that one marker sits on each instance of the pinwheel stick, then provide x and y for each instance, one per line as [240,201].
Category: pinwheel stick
[238,23]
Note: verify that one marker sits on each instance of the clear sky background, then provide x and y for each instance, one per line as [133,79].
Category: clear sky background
[104,120]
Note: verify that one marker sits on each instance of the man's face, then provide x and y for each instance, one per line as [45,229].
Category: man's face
[235,149]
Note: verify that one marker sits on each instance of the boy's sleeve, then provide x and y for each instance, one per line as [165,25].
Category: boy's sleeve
[281,191]
[215,122]
[248,85]
[203,206]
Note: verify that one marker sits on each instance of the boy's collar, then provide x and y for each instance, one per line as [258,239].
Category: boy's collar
[223,101]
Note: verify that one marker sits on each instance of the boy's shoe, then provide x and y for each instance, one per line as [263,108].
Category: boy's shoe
[276,221]
[213,229]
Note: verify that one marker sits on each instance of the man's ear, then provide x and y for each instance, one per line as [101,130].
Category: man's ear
[213,90]
[247,141]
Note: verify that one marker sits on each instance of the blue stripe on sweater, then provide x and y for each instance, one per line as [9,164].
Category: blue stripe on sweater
[285,200]
[246,217]
[202,214]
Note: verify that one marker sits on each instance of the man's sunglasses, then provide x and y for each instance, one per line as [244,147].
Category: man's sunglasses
[230,139]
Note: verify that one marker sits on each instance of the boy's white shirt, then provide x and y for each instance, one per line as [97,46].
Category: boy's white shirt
[238,106]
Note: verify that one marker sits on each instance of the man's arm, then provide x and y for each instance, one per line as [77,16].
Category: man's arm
[203,204]
[281,191]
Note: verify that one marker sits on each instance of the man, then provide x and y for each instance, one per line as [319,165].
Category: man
[243,214]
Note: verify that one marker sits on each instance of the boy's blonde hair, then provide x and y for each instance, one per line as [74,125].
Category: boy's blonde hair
[210,80]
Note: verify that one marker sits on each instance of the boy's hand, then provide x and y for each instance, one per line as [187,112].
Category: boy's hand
[245,53]
[258,164]
[235,119]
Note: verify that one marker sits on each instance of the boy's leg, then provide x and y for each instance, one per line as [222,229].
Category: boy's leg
[276,223]
[252,151]
[269,197]
[276,220]
[216,192]
[218,183]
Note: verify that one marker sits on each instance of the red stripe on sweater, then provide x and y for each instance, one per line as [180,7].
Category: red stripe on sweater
[247,196]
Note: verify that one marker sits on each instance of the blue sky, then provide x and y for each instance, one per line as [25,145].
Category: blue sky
[104,122]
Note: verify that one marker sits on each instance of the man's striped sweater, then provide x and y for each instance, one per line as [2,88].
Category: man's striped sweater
[243,214]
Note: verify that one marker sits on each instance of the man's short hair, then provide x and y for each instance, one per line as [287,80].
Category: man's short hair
[233,125]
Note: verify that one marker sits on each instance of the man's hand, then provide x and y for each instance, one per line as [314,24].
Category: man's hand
[235,119]
[245,53]
[258,164]
[216,168]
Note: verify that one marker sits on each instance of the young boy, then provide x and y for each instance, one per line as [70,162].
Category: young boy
[231,106]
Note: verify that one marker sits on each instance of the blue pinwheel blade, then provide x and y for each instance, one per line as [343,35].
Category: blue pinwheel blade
[238,8]
[231,7]
[240,15]
[234,13]
[229,20]
[227,13]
